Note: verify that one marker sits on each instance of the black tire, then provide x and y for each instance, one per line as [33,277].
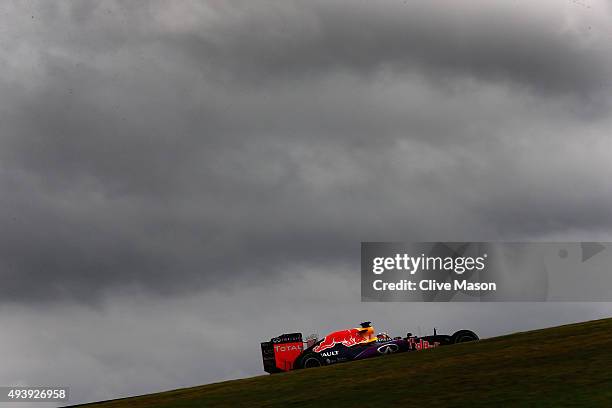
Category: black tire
[312,360]
[463,336]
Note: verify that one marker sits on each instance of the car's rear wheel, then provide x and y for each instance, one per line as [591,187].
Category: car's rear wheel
[463,336]
[311,360]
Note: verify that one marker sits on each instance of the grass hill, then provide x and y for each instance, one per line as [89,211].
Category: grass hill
[561,366]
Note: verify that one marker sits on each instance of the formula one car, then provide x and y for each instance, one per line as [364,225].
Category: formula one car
[288,351]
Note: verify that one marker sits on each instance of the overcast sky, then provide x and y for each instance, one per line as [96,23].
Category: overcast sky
[182,180]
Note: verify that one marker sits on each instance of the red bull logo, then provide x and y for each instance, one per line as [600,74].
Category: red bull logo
[422,344]
[347,338]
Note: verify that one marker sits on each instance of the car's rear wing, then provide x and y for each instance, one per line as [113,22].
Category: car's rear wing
[280,352]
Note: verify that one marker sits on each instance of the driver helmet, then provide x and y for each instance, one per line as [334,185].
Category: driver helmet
[365,333]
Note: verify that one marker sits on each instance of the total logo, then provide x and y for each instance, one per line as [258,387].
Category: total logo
[288,348]
[330,353]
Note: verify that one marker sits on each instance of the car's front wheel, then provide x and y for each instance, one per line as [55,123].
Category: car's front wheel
[463,336]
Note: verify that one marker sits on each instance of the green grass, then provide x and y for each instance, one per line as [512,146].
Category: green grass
[561,366]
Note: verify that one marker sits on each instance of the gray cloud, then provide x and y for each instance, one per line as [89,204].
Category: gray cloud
[516,42]
[177,147]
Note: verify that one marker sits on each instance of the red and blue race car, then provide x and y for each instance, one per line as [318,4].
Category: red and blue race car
[288,351]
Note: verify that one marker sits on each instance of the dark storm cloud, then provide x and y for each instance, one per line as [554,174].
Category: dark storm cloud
[184,147]
[511,41]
